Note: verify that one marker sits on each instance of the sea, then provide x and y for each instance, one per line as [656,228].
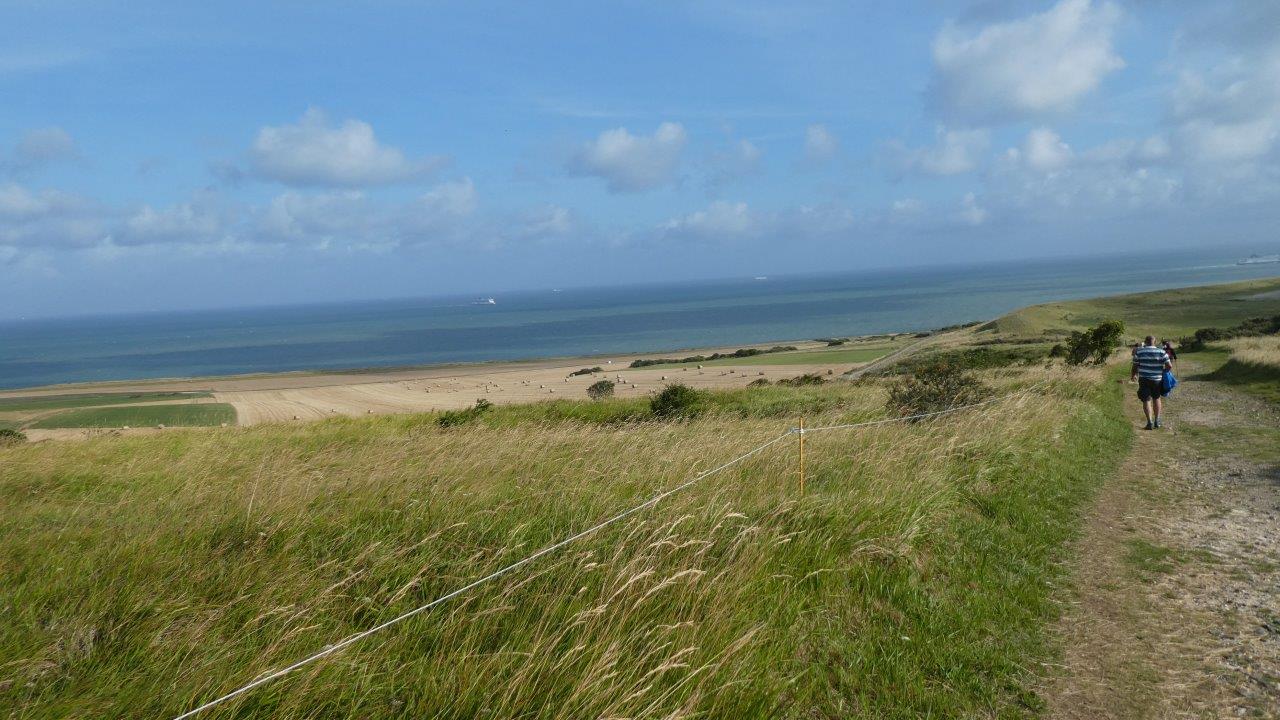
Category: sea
[574,322]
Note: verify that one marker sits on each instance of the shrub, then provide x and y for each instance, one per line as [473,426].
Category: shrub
[1058,350]
[934,387]
[802,380]
[759,382]
[454,418]
[741,353]
[586,371]
[9,436]
[600,389]
[1252,327]
[676,400]
[1096,344]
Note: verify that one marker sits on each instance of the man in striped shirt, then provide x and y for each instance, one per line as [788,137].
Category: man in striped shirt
[1149,364]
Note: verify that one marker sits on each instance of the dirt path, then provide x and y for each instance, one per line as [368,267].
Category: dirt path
[1176,612]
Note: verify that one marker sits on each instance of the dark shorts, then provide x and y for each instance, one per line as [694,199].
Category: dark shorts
[1150,388]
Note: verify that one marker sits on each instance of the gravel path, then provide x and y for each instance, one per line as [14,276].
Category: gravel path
[1176,607]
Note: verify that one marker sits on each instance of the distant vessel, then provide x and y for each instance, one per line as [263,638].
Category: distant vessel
[761,277]
[485,301]
[1260,259]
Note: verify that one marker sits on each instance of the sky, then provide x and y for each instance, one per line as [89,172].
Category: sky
[171,155]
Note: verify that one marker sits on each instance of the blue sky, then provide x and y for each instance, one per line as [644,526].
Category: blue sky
[180,155]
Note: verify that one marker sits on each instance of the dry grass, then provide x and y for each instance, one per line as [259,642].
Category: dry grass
[1257,350]
[147,574]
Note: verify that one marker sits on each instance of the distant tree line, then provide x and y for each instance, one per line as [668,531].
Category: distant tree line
[742,353]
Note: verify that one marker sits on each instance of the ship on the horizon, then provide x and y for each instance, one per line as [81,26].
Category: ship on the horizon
[1256,259]
[484,301]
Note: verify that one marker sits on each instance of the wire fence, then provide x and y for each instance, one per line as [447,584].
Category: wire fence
[800,430]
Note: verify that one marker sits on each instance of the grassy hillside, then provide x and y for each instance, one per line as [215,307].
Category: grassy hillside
[146,574]
[1165,313]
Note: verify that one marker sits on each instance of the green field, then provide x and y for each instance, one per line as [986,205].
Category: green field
[916,576]
[1165,313]
[913,578]
[185,415]
[53,402]
[832,356]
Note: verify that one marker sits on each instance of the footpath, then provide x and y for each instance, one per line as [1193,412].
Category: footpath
[1175,611]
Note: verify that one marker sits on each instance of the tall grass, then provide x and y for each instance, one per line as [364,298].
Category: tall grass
[146,574]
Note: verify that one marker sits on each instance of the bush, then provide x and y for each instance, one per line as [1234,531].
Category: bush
[676,400]
[586,371]
[934,387]
[1058,351]
[9,436]
[454,418]
[802,380]
[600,389]
[1096,344]
[1252,327]
[759,382]
[741,353]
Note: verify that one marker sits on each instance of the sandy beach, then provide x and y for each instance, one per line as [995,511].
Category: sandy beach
[297,397]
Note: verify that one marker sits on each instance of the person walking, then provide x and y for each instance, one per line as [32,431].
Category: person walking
[1149,363]
[1173,354]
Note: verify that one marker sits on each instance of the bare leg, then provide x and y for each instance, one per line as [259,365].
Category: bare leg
[1159,403]
[1146,409]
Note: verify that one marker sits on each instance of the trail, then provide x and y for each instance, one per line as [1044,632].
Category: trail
[1176,611]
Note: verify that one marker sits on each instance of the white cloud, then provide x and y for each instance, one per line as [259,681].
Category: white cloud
[544,223]
[1230,112]
[971,212]
[1040,64]
[740,159]
[201,220]
[632,163]
[954,152]
[316,220]
[40,147]
[720,220]
[312,153]
[47,218]
[1043,150]
[1218,142]
[820,144]
[449,199]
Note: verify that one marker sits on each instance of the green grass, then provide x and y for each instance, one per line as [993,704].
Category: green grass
[144,574]
[1147,558]
[834,356]
[1253,378]
[1164,313]
[186,415]
[53,402]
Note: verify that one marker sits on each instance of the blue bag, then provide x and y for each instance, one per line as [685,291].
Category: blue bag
[1169,382]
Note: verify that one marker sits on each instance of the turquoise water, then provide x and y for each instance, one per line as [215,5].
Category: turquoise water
[573,322]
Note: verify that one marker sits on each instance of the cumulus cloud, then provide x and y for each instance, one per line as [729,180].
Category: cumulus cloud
[971,212]
[1028,67]
[47,218]
[40,147]
[313,153]
[953,152]
[740,159]
[201,220]
[719,220]
[1230,112]
[1042,150]
[820,144]
[632,163]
